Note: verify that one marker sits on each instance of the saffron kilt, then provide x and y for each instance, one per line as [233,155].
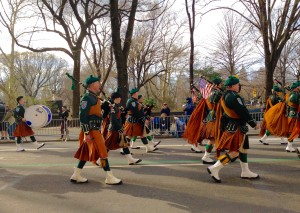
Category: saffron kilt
[207,130]
[230,141]
[91,150]
[133,129]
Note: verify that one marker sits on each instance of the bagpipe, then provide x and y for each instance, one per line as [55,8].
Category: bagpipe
[281,84]
[105,103]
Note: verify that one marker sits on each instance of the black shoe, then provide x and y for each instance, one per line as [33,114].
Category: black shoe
[207,162]
[157,143]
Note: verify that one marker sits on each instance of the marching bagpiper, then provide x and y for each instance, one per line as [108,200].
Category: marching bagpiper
[92,146]
[231,119]
[115,139]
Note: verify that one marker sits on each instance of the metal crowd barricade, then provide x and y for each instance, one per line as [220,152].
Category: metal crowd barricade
[170,126]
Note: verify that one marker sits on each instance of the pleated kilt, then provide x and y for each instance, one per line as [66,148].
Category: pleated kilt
[291,124]
[23,130]
[112,141]
[263,128]
[133,129]
[230,141]
[207,131]
[92,150]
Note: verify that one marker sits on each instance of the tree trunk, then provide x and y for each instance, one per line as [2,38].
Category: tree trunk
[76,91]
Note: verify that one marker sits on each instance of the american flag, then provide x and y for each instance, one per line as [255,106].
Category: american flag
[205,88]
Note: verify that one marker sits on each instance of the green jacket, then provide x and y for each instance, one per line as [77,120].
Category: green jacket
[135,111]
[19,113]
[293,104]
[214,98]
[88,122]
[115,118]
[235,102]
[275,99]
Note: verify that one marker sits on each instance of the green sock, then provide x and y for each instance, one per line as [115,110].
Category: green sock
[208,148]
[268,133]
[133,138]
[149,138]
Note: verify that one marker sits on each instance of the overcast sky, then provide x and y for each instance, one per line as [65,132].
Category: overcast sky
[206,26]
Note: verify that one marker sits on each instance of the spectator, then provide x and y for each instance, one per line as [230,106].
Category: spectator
[10,122]
[64,114]
[165,113]
[188,109]
[4,127]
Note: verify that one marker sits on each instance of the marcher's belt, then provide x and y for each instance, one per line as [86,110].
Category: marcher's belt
[95,124]
[132,119]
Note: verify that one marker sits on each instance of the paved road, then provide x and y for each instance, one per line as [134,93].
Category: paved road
[171,180]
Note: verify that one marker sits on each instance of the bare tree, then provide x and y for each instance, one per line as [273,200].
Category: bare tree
[275,22]
[98,50]
[231,50]
[10,14]
[191,19]
[35,71]
[286,64]
[126,14]
[69,20]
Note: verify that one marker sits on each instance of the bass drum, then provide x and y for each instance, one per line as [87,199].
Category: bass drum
[38,116]
[2,111]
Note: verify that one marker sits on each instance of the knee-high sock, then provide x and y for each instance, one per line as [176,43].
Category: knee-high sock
[126,151]
[243,157]
[81,164]
[105,164]
[19,140]
[208,148]
[144,140]
[32,138]
[149,138]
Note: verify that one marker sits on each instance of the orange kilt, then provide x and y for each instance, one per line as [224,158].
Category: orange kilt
[230,141]
[296,131]
[23,130]
[291,124]
[263,128]
[92,150]
[112,140]
[133,129]
[193,128]
[276,121]
[208,131]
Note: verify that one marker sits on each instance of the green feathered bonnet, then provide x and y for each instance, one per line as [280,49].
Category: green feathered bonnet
[217,80]
[295,85]
[133,90]
[91,79]
[277,89]
[231,80]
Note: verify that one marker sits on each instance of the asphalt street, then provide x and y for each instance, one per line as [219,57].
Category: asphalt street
[173,179]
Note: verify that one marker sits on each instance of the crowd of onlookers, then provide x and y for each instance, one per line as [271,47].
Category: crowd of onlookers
[7,125]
